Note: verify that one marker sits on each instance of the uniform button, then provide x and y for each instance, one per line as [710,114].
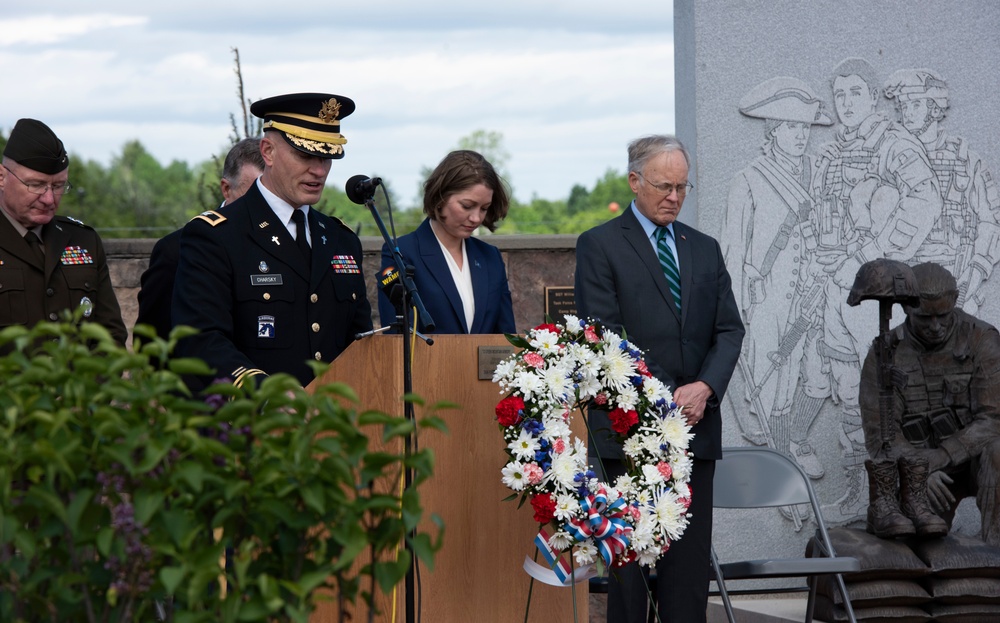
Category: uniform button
[315,327]
[50,292]
[313,298]
[53,317]
[354,296]
[795,271]
[789,295]
[795,246]
[86,284]
[318,356]
[267,296]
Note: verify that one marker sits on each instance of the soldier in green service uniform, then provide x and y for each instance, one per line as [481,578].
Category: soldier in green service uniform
[48,263]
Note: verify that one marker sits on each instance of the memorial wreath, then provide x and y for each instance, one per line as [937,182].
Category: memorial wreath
[579,365]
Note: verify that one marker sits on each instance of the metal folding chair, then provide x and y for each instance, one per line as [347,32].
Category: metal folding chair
[759,477]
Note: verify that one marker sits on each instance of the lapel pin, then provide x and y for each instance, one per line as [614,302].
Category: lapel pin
[275,240]
[323,238]
[263,266]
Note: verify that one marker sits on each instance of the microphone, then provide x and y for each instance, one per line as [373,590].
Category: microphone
[361,188]
[389,281]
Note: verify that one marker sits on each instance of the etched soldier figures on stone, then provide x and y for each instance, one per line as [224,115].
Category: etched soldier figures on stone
[801,221]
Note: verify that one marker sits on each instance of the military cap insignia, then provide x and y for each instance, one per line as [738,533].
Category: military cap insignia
[345,264]
[330,110]
[75,255]
[211,217]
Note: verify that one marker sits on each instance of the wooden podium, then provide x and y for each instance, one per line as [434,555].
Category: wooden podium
[478,575]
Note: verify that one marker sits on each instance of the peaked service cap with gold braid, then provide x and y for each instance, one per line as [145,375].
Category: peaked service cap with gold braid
[310,122]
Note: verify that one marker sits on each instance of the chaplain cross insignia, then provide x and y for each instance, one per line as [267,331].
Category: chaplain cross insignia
[275,240]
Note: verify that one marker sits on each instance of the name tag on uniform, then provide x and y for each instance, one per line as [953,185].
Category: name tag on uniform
[265,280]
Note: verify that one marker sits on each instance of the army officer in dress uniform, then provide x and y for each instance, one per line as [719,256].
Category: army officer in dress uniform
[48,263]
[269,281]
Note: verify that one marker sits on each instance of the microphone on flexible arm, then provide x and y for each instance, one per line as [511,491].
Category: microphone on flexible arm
[361,188]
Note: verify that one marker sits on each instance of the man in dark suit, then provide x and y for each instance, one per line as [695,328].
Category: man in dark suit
[48,263]
[268,281]
[241,169]
[690,331]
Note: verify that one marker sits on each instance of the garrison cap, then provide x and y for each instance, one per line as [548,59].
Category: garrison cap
[784,99]
[310,122]
[34,145]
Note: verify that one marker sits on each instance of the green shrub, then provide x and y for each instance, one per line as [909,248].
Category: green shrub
[120,493]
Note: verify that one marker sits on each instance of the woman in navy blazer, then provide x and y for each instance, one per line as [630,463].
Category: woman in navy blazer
[461,279]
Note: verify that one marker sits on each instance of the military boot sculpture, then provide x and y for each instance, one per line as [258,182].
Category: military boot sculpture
[913,498]
[885,518]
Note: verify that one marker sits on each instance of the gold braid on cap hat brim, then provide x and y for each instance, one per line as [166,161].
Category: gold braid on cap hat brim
[313,135]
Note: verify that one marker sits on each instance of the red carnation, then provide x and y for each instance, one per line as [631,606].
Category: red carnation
[508,410]
[547,327]
[622,420]
[545,507]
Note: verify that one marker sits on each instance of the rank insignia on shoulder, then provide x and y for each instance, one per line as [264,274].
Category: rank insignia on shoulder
[75,220]
[75,255]
[211,217]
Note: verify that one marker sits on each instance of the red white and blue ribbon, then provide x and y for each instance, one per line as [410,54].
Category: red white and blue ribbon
[558,572]
[605,523]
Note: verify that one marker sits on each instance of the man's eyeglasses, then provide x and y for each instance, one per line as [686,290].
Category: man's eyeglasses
[668,189]
[40,188]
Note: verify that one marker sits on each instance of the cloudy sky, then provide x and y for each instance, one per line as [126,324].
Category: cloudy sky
[567,82]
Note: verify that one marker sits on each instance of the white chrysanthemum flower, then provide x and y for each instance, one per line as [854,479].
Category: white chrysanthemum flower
[651,476]
[628,398]
[648,556]
[681,464]
[585,553]
[558,382]
[564,469]
[625,484]
[513,476]
[547,342]
[633,446]
[669,514]
[529,384]
[651,444]
[572,323]
[567,506]
[524,447]
[642,496]
[653,389]
[682,489]
[618,368]
[556,426]
[504,370]
[588,387]
[676,432]
[643,534]
[560,540]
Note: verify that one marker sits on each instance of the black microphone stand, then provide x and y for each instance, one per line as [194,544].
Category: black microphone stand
[410,299]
